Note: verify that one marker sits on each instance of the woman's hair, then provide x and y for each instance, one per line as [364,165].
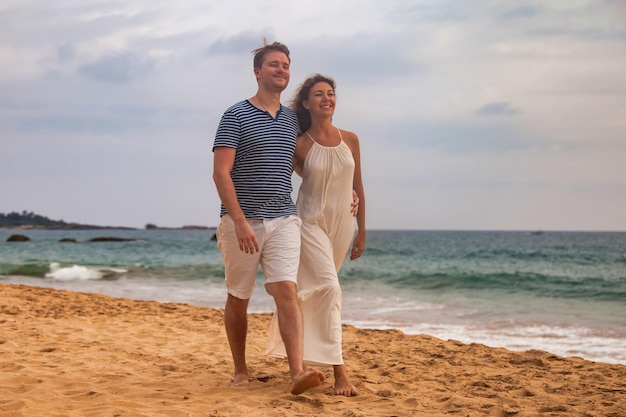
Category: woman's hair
[259,53]
[304,116]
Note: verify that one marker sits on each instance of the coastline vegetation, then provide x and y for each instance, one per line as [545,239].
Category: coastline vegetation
[15,219]
[30,220]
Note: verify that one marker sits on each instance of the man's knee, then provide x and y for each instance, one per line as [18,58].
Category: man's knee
[282,289]
[237,303]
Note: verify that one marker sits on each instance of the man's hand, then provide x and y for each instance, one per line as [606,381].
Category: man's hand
[355,204]
[246,237]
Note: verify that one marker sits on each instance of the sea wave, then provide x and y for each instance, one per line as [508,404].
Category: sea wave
[80,272]
[29,269]
[64,271]
[541,285]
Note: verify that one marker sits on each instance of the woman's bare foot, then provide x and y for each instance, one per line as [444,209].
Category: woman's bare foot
[343,386]
[240,380]
[306,380]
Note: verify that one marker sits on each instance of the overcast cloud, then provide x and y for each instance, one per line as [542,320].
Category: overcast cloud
[506,115]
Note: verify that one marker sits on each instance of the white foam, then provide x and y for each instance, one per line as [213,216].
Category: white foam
[78,272]
[569,341]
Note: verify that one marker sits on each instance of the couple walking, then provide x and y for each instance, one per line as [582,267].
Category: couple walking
[300,247]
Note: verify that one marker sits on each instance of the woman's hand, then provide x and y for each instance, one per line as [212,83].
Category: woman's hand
[358,245]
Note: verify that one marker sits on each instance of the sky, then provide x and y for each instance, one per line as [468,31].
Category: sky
[472,115]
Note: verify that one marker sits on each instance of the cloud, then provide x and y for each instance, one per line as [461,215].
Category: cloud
[102,119]
[588,21]
[371,60]
[498,108]
[239,44]
[523,12]
[448,11]
[122,68]
[66,52]
[450,137]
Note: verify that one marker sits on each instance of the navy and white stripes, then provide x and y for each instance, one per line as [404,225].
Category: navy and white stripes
[263,160]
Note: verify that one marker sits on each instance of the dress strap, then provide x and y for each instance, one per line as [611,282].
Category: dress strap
[311,137]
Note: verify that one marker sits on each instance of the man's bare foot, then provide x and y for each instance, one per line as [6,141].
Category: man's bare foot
[343,386]
[240,380]
[306,380]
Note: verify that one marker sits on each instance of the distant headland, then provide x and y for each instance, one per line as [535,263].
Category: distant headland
[30,220]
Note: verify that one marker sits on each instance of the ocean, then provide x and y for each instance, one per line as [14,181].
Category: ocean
[562,292]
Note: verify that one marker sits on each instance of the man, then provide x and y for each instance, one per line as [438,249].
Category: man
[252,169]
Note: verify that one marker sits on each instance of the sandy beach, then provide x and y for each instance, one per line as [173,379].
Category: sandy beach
[64,353]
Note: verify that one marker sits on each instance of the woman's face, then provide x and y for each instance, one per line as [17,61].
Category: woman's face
[321,99]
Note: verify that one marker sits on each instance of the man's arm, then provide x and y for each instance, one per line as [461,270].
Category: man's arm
[223,161]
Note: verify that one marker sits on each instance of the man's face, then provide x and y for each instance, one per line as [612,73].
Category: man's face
[274,73]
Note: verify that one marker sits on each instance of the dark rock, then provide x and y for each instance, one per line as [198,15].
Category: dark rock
[18,238]
[67,240]
[112,239]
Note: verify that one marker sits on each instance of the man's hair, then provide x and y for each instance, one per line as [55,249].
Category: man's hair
[259,53]
[302,94]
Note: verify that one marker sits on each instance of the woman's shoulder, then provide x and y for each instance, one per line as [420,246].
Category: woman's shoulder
[302,139]
[349,137]
[303,143]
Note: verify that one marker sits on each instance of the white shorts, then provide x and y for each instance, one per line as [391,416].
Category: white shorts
[278,256]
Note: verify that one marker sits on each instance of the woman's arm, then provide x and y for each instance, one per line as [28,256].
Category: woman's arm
[358,245]
[299,155]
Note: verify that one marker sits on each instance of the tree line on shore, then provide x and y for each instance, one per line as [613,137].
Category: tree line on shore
[26,218]
[30,220]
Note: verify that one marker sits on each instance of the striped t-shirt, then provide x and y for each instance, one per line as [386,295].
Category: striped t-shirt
[263,159]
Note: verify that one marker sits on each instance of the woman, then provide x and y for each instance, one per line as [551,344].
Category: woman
[328,160]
